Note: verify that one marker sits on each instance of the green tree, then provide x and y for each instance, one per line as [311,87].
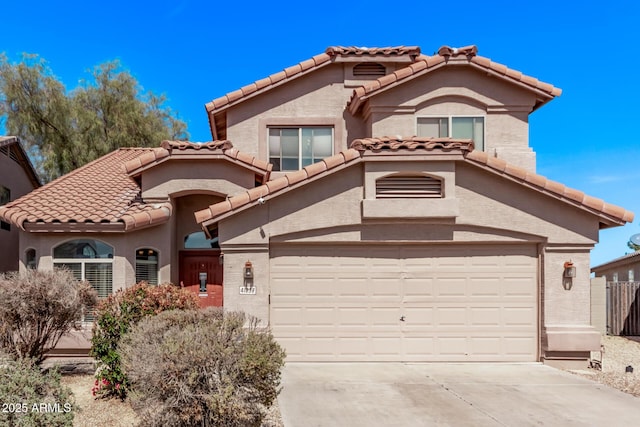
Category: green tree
[64,130]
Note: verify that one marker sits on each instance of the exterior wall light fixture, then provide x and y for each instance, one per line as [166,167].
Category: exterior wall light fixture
[568,275]
[248,270]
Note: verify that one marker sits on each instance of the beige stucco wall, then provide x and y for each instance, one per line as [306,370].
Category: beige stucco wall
[320,98]
[491,209]
[460,92]
[13,177]
[184,176]
[124,247]
[316,99]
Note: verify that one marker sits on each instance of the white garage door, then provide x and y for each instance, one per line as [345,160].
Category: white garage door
[405,303]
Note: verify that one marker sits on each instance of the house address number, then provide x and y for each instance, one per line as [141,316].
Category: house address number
[247,291]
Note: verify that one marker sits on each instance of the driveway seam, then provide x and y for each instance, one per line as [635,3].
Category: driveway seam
[460,397]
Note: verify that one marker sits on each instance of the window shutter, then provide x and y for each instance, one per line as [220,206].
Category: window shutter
[409,187]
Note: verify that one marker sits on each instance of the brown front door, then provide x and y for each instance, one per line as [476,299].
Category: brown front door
[201,273]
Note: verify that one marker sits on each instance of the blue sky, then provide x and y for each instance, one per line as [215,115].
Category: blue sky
[194,51]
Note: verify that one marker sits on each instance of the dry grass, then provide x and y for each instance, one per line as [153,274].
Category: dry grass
[97,412]
[115,413]
[619,352]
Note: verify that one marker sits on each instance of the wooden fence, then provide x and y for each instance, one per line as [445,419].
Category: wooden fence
[623,308]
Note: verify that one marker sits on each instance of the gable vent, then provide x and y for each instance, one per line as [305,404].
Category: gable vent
[369,69]
[409,187]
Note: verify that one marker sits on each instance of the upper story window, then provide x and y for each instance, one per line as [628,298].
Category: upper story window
[631,275]
[454,127]
[5,197]
[292,148]
[409,187]
[147,266]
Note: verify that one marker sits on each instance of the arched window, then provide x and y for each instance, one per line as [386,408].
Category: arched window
[30,259]
[198,240]
[88,259]
[147,266]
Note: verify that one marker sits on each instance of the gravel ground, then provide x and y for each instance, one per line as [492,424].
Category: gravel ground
[617,354]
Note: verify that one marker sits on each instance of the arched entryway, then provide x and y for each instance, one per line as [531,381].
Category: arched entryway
[201,269]
[199,264]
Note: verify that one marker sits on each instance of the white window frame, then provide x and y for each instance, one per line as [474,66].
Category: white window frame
[300,157]
[61,262]
[450,125]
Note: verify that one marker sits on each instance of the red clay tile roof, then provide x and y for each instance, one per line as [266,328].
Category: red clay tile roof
[287,182]
[11,146]
[173,148]
[609,214]
[426,64]
[373,51]
[331,53]
[103,194]
[612,214]
[99,195]
[411,143]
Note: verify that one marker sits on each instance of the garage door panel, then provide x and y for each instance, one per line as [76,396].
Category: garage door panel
[458,303]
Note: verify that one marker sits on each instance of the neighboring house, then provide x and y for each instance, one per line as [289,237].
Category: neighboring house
[352,245]
[17,178]
[623,269]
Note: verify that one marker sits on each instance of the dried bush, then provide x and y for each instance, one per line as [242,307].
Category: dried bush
[37,308]
[32,398]
[202,367]
[115,316]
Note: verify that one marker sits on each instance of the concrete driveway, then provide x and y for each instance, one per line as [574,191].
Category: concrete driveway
[395,394]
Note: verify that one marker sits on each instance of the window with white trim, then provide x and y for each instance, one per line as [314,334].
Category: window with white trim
[88,259]
[459,127]
[631,275]
[147,266]
[292,148]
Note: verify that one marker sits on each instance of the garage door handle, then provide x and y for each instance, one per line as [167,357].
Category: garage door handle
[402,318]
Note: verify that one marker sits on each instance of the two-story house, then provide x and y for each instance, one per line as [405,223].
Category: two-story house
[368,204]
[17,178]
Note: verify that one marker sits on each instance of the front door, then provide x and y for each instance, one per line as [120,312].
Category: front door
[201,273]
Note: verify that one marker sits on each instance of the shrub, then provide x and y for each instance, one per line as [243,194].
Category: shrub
[32,398]
[115,315]
[37,308]
[204,367]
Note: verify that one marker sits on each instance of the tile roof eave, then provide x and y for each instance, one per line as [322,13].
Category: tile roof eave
[263,85]
[222,150]
[610,215]
[127,222]
[290,181]
[427,64]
